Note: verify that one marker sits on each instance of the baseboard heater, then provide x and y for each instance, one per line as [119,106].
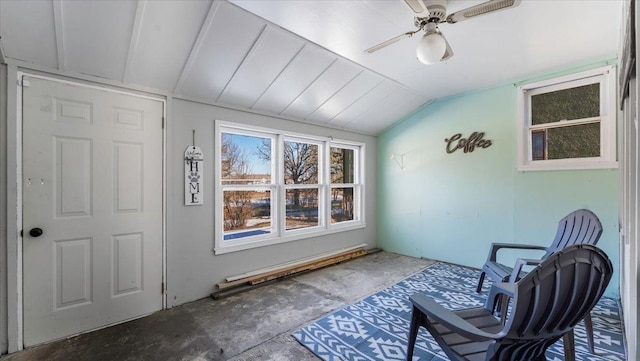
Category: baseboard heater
[240,283]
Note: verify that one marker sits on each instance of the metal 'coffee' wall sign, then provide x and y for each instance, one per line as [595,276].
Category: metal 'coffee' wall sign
[467,144]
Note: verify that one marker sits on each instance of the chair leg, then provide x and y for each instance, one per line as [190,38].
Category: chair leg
[568,341]
[588,325]
[480,282]
[413,331]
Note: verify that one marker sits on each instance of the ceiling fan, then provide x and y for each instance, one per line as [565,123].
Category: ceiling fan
[433,47]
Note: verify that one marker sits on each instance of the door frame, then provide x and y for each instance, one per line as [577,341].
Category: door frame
[14,181]
[629,212]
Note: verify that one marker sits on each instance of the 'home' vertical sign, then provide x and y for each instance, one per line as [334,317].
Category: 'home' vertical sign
[194,172]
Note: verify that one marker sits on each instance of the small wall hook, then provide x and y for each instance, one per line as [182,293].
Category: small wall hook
[399,158]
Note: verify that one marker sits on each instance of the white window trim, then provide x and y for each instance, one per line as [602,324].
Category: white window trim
[325,227]
[358,183]
[607,120]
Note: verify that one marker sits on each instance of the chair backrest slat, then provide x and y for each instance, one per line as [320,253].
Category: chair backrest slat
[576,290]
[589,296]
[578,227]
[554,311]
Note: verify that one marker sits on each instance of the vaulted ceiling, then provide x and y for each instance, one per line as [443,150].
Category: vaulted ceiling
[302,59]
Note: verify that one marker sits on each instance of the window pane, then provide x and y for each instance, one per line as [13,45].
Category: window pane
[341,204]
[302,208]
[577,141]
[568,104]
[539,144]
[245,159]
[300,163]
[246,213]
[342,165]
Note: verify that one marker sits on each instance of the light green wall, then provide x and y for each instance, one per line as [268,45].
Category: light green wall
[451,207]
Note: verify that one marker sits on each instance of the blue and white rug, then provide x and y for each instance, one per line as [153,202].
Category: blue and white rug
[376,328]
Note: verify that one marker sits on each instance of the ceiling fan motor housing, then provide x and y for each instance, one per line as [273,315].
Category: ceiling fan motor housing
[437,10]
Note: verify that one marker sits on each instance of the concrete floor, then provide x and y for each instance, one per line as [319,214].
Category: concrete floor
[255,325]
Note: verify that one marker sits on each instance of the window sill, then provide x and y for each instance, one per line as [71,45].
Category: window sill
[250,244]
[563,165]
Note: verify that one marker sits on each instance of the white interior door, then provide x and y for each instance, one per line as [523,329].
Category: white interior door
[92,182]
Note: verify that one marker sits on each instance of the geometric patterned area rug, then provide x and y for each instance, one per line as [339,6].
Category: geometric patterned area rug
[377,327]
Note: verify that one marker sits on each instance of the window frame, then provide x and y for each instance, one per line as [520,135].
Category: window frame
[356,185]
[220,187]
[278,188]
[319,185]
[605,76]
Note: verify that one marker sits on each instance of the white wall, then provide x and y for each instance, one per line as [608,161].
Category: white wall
[192,268]
[3,209]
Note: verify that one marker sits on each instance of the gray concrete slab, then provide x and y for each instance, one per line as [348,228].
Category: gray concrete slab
[254,325]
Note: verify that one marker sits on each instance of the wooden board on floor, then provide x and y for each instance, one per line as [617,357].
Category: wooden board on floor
[311,265]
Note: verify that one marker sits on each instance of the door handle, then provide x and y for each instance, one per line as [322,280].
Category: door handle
[36,232]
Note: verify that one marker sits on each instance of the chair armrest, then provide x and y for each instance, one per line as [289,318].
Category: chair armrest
[448,319]
[495,247]
[517,268]
[500,288]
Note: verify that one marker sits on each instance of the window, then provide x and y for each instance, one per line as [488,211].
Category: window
[247,186]
[273,186]
[302,184]
[343,184]
[568,122]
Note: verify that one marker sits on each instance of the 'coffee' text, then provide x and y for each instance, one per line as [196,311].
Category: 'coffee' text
[468,144]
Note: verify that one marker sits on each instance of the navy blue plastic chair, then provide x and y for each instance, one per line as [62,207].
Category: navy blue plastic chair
[578,227]
[546,304]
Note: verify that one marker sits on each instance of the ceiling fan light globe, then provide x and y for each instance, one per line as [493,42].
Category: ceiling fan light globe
[431,48]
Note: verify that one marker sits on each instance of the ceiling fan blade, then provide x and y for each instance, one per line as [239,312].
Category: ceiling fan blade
[390,41]
[481,9]
[415,5]
[447,53]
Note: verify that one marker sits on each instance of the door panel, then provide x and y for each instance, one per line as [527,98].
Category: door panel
[92,167]
[127,264]
[73,267]
[73,177]
[129,188]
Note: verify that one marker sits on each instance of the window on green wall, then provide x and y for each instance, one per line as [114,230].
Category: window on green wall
[568,122]
[275,186]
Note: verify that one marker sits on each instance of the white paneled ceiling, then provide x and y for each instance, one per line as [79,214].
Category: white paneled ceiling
[302,59]
[96,42]
[162,47]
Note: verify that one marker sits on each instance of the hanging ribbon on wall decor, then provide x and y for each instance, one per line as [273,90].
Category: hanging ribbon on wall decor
[469,144]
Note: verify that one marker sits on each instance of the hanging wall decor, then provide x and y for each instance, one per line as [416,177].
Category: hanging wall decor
[194,172]
[467,144]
